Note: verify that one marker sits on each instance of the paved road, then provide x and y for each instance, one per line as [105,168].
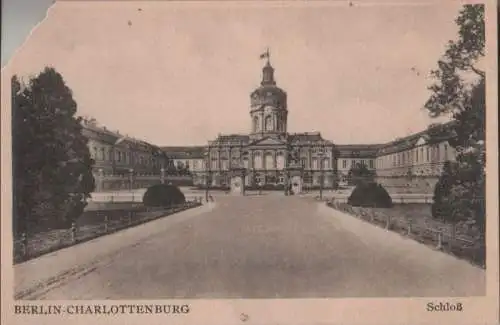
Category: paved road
[274,246]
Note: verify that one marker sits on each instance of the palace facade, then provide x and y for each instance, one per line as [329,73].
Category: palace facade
[268,155]
[120,161]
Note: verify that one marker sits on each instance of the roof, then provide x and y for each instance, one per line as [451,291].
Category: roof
[231,139]
[185,152]
[357,150]
[434,133]
[100,133]
[264,90]
[307,138]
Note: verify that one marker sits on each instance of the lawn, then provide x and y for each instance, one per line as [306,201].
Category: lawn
[462,239]
[413,210]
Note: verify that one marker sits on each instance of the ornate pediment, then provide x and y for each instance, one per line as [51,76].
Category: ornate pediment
[268,142]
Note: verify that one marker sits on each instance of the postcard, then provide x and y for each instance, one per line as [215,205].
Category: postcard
[252,162]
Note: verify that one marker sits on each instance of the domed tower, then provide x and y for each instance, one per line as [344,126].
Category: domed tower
[268,108]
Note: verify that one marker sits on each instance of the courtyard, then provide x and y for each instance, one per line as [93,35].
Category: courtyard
[255,246]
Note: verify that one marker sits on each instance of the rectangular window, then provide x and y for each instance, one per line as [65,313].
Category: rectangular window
[315,163]
[371,163]
[344,163]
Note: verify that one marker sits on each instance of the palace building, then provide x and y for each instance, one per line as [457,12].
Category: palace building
[269,156]
[120,161]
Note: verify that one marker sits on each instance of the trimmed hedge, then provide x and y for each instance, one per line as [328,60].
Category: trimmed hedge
[163,195]
[370,195]
[267,187]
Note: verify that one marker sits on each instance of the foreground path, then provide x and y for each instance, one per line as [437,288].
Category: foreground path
[273,246]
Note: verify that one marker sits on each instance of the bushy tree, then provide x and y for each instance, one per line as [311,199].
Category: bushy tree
[460,90]
[52,176]
[441,206]
[359,173]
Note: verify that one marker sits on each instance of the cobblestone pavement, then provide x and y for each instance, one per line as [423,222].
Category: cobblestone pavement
[270,246]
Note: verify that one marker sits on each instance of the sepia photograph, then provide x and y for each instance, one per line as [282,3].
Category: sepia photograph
[178,152]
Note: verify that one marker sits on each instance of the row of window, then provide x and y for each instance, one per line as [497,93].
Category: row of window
[125,157]
[365,162]
[269,163]
[269,124]
[414,156]
[214,154]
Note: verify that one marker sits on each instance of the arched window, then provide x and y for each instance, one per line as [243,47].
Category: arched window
[268,122]
[256,124]
[280,161]
[257,161]
[268,161]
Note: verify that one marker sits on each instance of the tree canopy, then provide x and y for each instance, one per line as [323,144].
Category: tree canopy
[459,90]
[51,161]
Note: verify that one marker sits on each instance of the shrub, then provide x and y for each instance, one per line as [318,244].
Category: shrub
[360,174]
[441,206]
[370,194]
[163,195]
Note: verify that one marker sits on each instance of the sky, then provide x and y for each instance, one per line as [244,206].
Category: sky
[180,74]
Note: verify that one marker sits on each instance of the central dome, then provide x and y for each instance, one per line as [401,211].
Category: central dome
[268,93]
[268,109]
[268,90]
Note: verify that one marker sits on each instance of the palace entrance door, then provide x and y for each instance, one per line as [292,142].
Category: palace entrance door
[237,185]
[296,184]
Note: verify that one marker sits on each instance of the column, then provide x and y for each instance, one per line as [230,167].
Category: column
[309,158]
[100,180]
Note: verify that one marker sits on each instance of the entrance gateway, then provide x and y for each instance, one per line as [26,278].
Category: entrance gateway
[237,185]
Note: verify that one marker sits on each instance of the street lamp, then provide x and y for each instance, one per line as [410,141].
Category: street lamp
[321,155]
[208,173]
[131,178]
